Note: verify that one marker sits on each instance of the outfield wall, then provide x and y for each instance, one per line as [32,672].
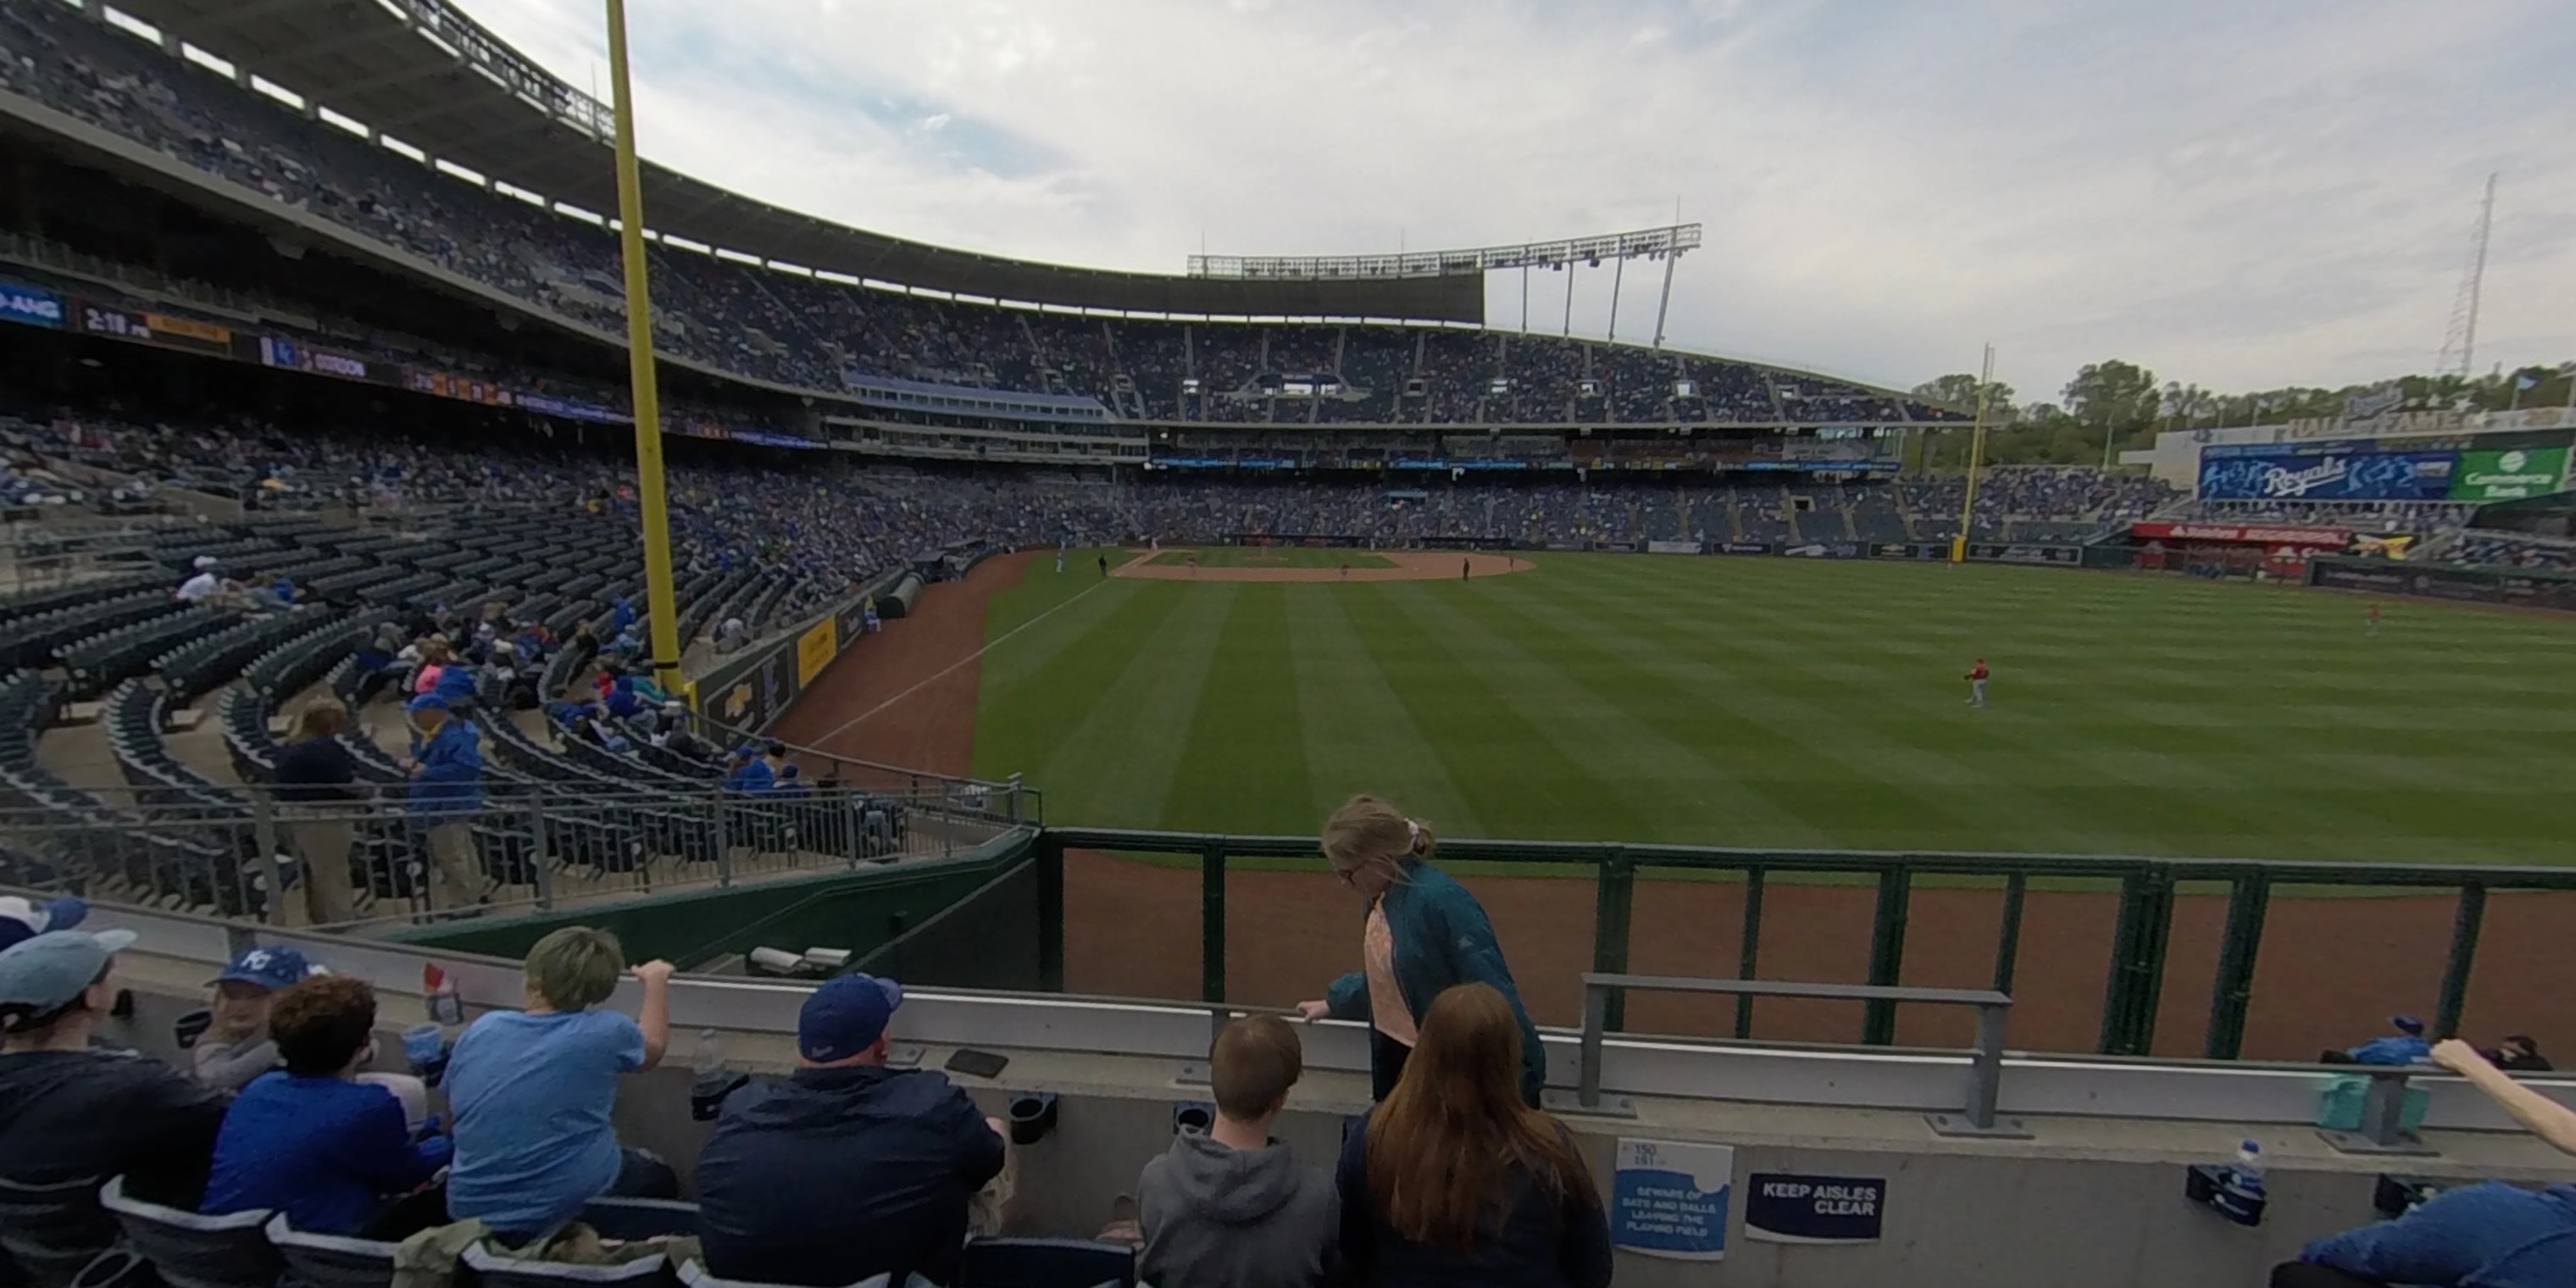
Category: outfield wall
[2512,587]
[1923,551]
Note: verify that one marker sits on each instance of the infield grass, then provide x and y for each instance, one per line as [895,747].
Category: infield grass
[1794,704]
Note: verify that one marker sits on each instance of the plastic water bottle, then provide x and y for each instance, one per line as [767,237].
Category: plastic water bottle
[711,1081]
[2241,1197]
[2248,1175]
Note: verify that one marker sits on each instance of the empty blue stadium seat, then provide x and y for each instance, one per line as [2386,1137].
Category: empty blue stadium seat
[494,1269]
[694,1274]
[193,1251]
[51,1231]
[1045,1263]
[631,1219]
[330,1260]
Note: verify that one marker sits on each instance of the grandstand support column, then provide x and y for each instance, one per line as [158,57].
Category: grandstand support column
[1664,304]
[1976,457]
[1748,952]
[1212,924]
[1618,274]
[1049,857]
[661,613]
[1887,951]
[2465,924]
[2233,991]
[1614,901]
[2008,933]
[1524,299]
[1570,271]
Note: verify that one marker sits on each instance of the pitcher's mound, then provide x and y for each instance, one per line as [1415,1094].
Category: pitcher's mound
[1390,565]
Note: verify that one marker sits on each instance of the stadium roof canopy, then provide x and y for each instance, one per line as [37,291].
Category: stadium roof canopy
[422,72]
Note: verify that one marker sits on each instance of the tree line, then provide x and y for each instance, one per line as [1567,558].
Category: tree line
[2114,406]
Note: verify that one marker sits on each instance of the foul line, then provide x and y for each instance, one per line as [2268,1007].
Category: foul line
[935,676]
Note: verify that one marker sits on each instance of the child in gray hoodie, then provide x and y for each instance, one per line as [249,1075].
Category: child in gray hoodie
[1231,1208]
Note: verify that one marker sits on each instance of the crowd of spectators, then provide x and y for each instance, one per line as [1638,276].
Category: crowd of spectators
[2497,551]
[2423,519]
[816,334]
[2037,502]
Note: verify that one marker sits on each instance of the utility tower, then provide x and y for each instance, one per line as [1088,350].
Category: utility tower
[2460,342]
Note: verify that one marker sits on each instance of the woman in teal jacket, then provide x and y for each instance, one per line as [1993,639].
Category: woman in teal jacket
[1422,933]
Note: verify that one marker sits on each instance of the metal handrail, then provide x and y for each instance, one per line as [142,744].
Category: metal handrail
[1985,1064]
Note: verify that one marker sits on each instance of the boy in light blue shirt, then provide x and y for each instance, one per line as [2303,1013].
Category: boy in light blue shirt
[532,1090]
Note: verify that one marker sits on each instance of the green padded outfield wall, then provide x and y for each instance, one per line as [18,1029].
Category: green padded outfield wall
[858,910]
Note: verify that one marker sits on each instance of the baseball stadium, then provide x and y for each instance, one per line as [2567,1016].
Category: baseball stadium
[436,535]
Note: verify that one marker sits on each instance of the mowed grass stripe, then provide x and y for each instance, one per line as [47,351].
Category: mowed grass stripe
[1119,758]
[1708,744]
[1243,759]
[1513,771]
[1679,793]
[1890,792]
[2183,806]
[1042,589]
[1359,736]
[1025,711]
[2133,713]
[1931,772]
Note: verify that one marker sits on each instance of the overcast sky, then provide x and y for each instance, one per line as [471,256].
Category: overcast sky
[2238,195]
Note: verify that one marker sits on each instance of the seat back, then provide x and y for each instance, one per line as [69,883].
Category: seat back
[192,1251]
[1045,1263]
[51,1231]
[493,1269]
[330,1260]
[694,1274]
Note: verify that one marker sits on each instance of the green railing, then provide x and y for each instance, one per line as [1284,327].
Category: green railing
[2137,953]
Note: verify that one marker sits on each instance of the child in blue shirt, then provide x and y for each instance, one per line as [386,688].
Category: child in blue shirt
[532,1090]
[309,1140]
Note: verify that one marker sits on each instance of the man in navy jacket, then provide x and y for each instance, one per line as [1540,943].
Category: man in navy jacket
[848,1168]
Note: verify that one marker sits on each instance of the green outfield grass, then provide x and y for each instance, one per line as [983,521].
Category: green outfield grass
[1795,703]
[1271,557]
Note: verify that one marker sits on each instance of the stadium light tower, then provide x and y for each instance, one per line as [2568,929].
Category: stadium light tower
[661,610]
[1667,244]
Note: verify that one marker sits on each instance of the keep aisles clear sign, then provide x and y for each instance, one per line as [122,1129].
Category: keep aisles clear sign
[1668,1198]
[1785,1208]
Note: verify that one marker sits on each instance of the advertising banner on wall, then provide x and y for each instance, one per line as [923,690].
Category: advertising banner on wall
[2470,585]
[1825,550]
[2026,553]
[2333,476]
[815,650]
[1742,547]
[2258,534]
[1783,1208]
[1669,1198]
[1672,547]
[32,305]
[2509,475]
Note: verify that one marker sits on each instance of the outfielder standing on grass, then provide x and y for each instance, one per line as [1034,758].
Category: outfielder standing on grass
[1423,933]
[1977,683]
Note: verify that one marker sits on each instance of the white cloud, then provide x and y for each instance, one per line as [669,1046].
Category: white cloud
[2233,195]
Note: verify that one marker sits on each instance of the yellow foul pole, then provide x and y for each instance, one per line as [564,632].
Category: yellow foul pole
[660,610]
[1976,457]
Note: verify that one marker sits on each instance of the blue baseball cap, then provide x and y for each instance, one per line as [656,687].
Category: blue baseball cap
[426,702]
[270,968]
[845,1016]
[23,919]
[42,975]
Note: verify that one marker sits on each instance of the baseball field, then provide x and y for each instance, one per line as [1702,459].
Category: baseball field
[1778,703]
